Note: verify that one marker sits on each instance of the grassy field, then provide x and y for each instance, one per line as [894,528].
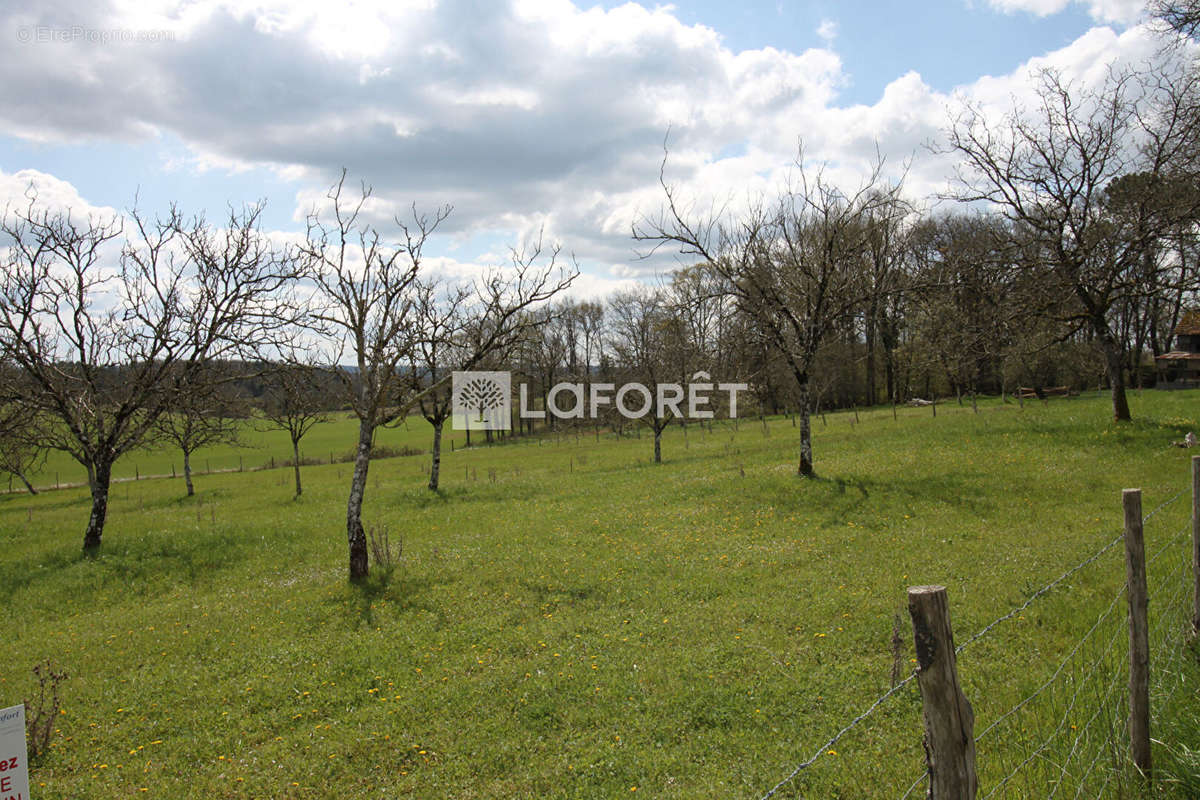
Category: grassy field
[569,620]
[258,447]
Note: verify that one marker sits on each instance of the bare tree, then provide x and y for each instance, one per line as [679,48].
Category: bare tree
[796,265]
[641,339]
[204,413]
[438,351]
[368,297]
[1047,171]
[104,341]
[296,400]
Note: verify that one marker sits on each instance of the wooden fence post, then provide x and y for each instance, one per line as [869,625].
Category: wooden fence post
[1196,544]
[949,719]
[1139,639]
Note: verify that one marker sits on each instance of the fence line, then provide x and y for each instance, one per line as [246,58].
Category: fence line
[1164,628]
[1061,666]
[1070,706]
[1103,615]
[987,629]
[823,749]
[983,632]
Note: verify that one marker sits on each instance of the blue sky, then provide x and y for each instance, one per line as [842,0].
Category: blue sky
[526,116]
[948,42]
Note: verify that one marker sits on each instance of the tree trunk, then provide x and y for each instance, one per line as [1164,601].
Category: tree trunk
[187,472]
[657,445]
[806,458]
[890,372]
[870,336]
[355,535]
[102,475]
[296,463]
[1114,370]
[436,464]
[25,481]
[1116,379]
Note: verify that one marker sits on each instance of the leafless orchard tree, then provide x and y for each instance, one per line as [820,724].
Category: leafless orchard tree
[477,326]
[1048,170]
[205,412]
[441,348]
[644,338]
[369,303]
[105,341]
[296,400]
[796,264]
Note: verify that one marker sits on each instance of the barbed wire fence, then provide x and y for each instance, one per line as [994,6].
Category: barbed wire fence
[1067,733]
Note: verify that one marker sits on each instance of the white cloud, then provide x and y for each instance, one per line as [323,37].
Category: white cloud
[1040,8]
[542,116]
[827,31]
[51,193]
[1122,12]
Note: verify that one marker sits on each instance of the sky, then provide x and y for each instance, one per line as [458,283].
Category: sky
[531,117]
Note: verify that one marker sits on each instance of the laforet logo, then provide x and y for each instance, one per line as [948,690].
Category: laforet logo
[483,400]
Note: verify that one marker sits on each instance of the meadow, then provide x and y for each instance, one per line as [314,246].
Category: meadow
[569,620]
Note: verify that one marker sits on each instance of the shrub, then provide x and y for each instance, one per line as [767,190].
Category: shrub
[40,715]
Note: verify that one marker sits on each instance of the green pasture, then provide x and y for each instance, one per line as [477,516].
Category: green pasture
[569,620]
[258,446]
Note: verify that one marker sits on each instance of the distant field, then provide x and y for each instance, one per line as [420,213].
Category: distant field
[258,447]
[570,620]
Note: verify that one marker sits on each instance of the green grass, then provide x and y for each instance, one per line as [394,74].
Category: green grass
[259,447]
[570,620]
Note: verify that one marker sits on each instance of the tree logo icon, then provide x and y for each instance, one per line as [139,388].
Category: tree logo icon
[482,401]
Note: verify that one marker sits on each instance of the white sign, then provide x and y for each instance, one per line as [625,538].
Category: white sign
[14,772]
[481,401]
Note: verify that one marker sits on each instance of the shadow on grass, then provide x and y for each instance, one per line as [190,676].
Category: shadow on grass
[48,500]
[506,488]
[149,565]
[400,594]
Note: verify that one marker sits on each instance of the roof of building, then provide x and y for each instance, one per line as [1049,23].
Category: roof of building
[1189,324]
[1178,355]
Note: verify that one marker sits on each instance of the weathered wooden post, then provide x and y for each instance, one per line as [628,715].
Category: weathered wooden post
[1196,544]
[1139,639]
[949,719]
